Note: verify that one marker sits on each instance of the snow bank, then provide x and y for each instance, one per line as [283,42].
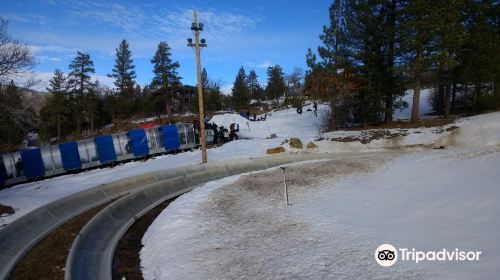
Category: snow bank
[429,201]
[285,124]
[477,131]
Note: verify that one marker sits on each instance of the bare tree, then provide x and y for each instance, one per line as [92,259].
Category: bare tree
[16,119]
[294,81]
[15,57]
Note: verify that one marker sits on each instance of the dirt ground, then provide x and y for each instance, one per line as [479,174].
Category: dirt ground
[126,262]
[374,134]
[6,210]
[249,215]
[406,124]
[48,258]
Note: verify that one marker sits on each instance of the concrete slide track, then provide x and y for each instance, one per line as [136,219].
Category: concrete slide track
[100,236]
[91,256]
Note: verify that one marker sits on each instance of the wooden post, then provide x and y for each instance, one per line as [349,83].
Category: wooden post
[203,141]
[286,187]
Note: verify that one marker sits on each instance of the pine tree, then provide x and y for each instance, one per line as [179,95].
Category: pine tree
[254,87]
[276,86]
[204,79]
[212,96]
[123,71]
[55,108]
[79,76]
[166,80]
[361,39]
[92,105]
[480,59]
[241,93]
[124,75]
[79,80]
[336,52]
[417,37]
[450,38]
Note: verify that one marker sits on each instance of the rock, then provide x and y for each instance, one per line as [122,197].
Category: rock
[296,143]
[276,150]
[311,145]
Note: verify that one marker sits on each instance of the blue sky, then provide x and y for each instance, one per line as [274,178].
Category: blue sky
[253,34]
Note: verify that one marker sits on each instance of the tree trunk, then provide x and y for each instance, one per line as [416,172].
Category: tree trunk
[475,96]
[390,56]
[440,98]
[169,109]
[416,100]
[92,123]
[78,125]
[332,124]
[447,102]
[59,128]
[453,97]
[496,93]
[466,93]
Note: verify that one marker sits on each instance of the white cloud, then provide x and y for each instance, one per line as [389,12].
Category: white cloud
[128,18]
[219,25]
[43,79]
[142,25]
[264,65]
[39,49]
[44,58]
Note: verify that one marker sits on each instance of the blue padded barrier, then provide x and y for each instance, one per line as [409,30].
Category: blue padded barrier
[70,156]
[170,137]
[139,142]
[105,148]
[32,163]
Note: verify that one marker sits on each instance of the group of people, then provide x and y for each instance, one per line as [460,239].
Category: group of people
[315,106]
[221,133]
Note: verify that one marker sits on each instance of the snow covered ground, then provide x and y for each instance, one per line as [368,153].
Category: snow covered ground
[239,228]
[285,124]
[442,196]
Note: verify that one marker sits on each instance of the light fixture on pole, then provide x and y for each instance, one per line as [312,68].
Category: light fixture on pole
[197,45]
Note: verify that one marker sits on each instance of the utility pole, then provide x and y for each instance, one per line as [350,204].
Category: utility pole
[197,27]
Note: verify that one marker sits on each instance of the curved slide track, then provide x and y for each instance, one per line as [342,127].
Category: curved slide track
[91,256]
[92,252]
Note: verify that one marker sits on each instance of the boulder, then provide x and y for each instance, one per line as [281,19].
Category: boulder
[311,145]
[296,143]
[276,150]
